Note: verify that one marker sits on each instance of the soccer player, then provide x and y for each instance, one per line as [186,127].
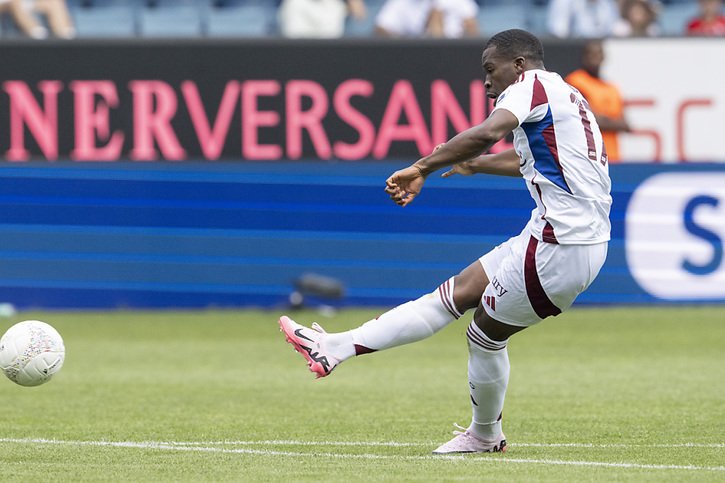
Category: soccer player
[558,151]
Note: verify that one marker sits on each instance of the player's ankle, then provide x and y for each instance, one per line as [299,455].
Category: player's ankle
[340,345]
[486,432]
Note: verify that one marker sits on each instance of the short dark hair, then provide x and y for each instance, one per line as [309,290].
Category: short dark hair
[514,43]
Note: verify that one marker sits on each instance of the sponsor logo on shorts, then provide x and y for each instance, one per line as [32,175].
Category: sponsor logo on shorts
[500,291]
[490,301]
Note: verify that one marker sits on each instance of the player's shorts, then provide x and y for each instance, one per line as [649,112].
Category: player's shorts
[531,280]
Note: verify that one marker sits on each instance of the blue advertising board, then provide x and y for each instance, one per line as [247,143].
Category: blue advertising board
[75,235]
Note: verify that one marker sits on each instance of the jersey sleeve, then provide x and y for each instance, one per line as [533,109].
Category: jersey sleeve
[523,100]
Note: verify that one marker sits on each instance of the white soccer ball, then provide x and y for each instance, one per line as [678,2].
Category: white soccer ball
[31,352]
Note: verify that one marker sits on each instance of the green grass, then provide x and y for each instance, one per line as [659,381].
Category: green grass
[627,389]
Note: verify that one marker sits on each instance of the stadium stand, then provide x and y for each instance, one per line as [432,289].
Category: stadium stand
[365,28]
[257,18]
[240,18]
[494,16]
[675,15]
[170,18]
[104,18]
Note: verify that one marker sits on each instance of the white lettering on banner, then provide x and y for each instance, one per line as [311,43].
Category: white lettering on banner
[676,107]
[674,235]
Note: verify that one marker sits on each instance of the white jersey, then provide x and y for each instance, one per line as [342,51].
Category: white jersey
[562,159]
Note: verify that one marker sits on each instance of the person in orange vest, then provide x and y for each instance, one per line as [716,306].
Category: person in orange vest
[604,97]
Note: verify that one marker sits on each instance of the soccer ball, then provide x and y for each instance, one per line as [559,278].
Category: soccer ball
[31,352]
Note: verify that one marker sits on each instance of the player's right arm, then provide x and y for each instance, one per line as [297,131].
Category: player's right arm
[505,163]
[405,184]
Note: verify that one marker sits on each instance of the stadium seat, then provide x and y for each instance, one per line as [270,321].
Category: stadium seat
[241,19]
[493,18]
[170,18]
[675,16]
[104,18]
[537,16]
[364,28]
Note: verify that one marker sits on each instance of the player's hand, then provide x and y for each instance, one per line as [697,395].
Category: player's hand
[463,168]
[404,185]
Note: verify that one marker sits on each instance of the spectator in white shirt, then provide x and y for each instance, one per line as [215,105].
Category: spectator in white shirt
[318,18]
[582,18]
[432,18]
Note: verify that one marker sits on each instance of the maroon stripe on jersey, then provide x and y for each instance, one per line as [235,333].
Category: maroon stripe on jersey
[534,290]
[539,96]
[443,291]
[547,234]
[587,124]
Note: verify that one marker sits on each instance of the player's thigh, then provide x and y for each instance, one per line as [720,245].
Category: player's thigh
[469,286]
[494,329]
[538,280]
[473,280]
[565,271]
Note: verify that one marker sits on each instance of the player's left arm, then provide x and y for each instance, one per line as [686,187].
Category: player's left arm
[404,185]
[505,163]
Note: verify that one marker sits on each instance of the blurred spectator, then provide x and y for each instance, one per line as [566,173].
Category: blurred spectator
[582,18]
[318,18]
[604,98]
[432,18]
[25,15]
[639,19]
[453,19]
[710,21]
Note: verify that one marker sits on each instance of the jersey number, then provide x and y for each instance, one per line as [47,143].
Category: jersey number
[587,125]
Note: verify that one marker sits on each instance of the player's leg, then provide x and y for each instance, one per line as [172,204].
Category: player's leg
[488,376]
[406,323]
[532,281]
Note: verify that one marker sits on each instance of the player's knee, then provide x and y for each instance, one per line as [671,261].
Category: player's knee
[495,330]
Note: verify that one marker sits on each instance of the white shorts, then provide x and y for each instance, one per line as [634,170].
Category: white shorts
[531,279]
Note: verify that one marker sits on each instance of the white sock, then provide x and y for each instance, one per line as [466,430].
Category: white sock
[404,324]
[488,376]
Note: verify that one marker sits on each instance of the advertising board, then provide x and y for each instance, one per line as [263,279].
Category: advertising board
[673,95]
[204,234]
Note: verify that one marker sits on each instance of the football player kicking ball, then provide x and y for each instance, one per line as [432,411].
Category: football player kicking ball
[558,151]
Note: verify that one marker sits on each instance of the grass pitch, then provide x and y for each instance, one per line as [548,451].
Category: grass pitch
[628,394]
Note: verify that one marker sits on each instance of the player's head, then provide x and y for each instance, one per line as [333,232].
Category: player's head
[506,55]
[592,57]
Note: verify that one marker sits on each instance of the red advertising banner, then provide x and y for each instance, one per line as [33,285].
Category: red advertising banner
[259,100]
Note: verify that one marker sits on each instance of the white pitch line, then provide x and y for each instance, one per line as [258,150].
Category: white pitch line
[620,445]
[265,452]
[394,444]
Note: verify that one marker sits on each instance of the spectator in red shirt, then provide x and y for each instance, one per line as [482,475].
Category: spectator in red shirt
[711,20]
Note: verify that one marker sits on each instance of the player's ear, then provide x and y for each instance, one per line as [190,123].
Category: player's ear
[519,64]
